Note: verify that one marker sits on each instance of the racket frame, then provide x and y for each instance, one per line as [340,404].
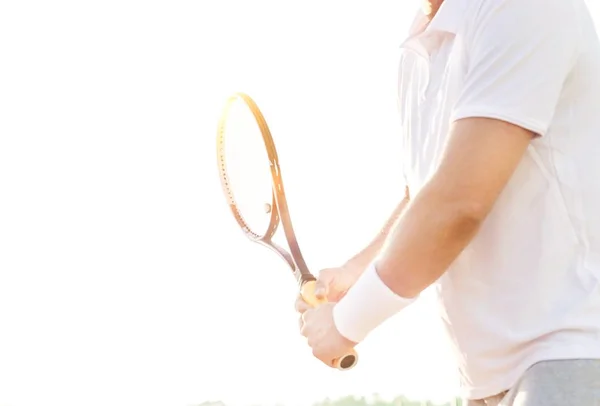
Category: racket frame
[280,214]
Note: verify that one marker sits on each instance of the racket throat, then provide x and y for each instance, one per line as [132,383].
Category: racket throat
[303,278]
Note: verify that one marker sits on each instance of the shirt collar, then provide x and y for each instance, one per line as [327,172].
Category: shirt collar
[422,36]
[449,16]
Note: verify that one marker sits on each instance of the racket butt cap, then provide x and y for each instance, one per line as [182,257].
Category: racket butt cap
[307,291]
[346,362]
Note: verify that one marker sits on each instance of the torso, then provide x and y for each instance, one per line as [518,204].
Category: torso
[527,288]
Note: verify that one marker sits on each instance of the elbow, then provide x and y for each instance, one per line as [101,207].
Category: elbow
[463,220]
[467,217]
[457,225]
[450,227]
[474,209]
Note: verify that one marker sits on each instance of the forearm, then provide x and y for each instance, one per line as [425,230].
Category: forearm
[370,252]
[439,222]
[429,236]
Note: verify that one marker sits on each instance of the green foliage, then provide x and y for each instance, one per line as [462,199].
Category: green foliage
[399,401]
[362,401]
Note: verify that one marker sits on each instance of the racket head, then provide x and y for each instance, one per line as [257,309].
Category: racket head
[245,167]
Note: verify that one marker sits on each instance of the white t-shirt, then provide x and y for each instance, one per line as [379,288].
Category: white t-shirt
[527,288]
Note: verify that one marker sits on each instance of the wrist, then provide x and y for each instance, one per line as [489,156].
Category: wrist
[367,304]
[359,263]
[354,267]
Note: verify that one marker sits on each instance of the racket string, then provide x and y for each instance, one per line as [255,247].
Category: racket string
[241,154]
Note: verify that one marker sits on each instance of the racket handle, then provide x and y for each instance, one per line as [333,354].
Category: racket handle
[307,292]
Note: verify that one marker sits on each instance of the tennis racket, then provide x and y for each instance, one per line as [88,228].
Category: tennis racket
[252,184]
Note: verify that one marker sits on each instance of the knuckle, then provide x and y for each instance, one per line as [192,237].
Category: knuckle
[300,305]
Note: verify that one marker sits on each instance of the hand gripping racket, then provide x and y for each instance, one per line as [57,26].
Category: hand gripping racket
[244,143]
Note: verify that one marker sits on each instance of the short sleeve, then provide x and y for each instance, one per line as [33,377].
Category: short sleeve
[519,54]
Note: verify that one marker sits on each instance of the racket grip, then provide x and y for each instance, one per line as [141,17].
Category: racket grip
[345,362]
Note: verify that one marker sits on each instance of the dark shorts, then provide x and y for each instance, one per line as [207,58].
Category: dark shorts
[552,383]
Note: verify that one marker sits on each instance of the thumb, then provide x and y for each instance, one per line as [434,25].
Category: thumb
[322,284]
[320,290]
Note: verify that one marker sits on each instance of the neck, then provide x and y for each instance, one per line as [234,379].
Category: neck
[430,7]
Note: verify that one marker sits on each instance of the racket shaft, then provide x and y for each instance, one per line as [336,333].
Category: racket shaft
[307,292]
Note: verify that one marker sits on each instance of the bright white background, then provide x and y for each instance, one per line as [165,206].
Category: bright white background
[123,278]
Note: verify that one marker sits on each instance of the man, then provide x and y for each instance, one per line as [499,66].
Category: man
[500,109]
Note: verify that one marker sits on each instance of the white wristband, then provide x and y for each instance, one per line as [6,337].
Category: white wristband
[367,304]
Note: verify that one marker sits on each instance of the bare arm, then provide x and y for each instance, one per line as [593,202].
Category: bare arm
[502,85]
[508,80]
[438,223]
[369,253]
[441,220]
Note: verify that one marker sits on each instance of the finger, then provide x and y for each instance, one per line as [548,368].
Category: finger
[308,314]
[306,317]
[323,282]
[303,327]
[300,305]
[318,354]
[336,296]
[321,289]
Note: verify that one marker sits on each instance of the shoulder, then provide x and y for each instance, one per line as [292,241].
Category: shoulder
[528,28]
[525,15]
